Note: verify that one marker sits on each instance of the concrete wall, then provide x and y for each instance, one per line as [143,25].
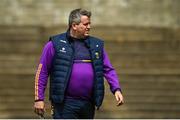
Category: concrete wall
[158,13]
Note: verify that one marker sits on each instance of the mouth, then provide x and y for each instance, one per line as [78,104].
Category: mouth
[88,30]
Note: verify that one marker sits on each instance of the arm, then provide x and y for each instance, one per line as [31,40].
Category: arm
[112,78]
[41,78]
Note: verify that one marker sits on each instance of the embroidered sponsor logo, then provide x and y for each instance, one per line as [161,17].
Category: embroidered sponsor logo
[63,41]
[97,55]
[63,50]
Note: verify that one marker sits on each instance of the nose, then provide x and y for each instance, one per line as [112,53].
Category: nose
[88,26]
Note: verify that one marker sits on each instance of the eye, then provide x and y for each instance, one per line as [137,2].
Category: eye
[86,24]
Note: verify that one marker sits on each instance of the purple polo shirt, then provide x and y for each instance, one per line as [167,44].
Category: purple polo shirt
[81,81]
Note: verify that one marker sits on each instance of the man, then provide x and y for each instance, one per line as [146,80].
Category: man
[76,63]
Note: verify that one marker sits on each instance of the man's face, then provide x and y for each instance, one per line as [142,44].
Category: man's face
[83,28]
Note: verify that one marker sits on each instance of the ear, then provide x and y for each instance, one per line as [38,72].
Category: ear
[74,26]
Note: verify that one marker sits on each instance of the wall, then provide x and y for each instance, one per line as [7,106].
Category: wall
[158,13]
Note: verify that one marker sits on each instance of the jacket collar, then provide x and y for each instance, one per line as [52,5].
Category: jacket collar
[71,39]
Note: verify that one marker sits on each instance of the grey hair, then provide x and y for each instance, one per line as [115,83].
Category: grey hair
[75,15]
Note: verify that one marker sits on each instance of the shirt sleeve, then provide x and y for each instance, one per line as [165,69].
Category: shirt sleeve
[43,71]
[110,73]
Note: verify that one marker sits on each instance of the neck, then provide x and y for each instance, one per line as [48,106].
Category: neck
[74,34]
